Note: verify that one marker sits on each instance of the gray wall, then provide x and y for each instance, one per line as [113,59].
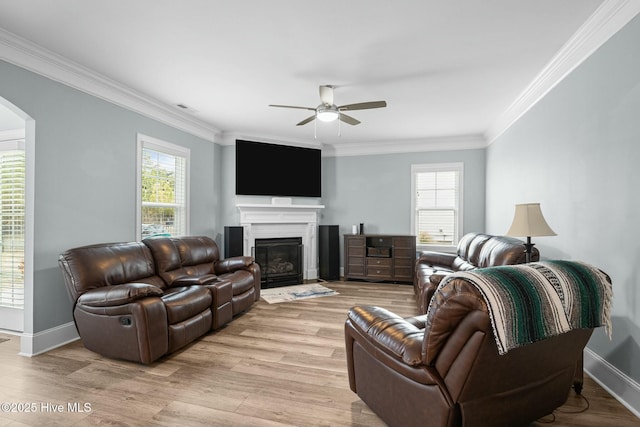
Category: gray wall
[376,190]
[85,177]
[373,189]
[576,152]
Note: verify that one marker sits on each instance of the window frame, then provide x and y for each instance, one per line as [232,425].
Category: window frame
[438,167]
[155,144]
[17,290]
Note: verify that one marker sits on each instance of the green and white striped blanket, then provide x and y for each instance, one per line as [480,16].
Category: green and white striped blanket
[531,302]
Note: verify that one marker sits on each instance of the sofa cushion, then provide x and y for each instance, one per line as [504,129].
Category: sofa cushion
[179,258]
[185,302]
[95,266]
[469,247]
[165,253]
[195,250]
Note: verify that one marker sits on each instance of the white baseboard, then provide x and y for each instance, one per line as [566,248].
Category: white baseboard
[41,342]
[615,382]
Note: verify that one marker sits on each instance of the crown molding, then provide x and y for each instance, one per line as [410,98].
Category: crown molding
[339,149]
[446,143]
[229,138]
[25,54]
[607,20]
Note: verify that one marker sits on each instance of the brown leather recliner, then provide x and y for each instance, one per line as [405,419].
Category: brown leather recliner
[444,368]
[126,308]
[475,250]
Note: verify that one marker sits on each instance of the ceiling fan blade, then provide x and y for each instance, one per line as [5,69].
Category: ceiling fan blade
[307,120]
[363,106]
[326,95]
[349,120]
[292,106]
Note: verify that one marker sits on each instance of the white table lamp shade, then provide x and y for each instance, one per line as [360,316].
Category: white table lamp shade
[528,221]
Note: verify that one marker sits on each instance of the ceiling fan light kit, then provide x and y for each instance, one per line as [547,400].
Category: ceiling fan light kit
[327,114]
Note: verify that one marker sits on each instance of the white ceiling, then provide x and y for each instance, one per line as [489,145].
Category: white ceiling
[447,68]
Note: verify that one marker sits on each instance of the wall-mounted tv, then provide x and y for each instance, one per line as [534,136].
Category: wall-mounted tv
[264,169]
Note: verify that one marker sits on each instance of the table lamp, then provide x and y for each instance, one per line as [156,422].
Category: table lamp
[528,222]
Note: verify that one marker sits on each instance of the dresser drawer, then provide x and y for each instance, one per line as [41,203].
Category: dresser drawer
[378,262]
[379,272]
[353,241]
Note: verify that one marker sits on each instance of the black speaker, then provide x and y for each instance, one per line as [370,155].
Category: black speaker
[233,245]
[329,252]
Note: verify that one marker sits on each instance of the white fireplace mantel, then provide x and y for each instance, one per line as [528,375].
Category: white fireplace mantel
[265,221]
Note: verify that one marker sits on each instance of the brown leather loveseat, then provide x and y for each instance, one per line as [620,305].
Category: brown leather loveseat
[141,300]
[446,369]
[475,250]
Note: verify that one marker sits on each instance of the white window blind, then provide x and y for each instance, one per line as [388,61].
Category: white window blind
[12,223]
[437,204]
[163,176]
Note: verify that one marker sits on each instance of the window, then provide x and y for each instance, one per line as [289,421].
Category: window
[12,223]
[163,188]
[437,204]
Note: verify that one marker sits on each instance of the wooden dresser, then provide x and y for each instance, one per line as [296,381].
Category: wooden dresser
[379,257]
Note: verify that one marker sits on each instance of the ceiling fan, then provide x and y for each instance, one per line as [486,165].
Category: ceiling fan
[327,111]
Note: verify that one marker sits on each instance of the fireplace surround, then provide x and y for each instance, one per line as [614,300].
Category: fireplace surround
[282,218]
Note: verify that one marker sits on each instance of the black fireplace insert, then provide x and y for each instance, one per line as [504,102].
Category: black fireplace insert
[280,261]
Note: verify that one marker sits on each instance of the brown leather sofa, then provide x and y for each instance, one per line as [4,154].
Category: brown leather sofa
[138,301]
[443,368]
[475,250]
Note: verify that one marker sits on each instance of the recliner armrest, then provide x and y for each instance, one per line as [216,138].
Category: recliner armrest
[108,296]
[433,258]
[205,279]
[229,265]
[389,332]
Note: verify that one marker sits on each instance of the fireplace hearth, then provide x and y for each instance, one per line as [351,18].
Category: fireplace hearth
[280,261]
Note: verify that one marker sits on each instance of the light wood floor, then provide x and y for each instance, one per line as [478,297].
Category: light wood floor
[278,364]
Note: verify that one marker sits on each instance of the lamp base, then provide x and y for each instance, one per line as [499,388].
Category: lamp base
[527,250]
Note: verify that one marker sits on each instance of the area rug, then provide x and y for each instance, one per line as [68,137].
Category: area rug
[295,292]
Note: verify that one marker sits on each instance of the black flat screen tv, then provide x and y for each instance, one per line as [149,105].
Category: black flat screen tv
[264,169]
